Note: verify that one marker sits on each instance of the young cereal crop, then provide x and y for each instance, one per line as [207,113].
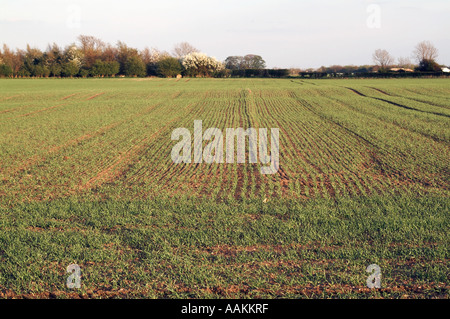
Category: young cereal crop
[87,177]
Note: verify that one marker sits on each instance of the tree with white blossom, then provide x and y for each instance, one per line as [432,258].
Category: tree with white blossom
[201,65]
[182,49]
[73,60]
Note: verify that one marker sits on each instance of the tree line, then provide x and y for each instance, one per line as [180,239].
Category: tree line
[91,57]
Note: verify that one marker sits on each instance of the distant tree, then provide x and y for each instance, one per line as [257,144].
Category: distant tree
[426,65]
[72,61]
[124,54]
[425,51]
[182,49]
[112,67]
[98,68]
[146,55]
[33,62]
[12,59]
[91,49]
[134,66]
[151,58]
[252,61]
[169,67]
[53,59]
[234,62]
[41,71]
[426,54]
[109,53]
[383,59]
[74,55]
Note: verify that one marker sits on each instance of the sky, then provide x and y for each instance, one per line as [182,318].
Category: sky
[286,33]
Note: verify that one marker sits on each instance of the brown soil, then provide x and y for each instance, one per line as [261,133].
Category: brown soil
[42,110]
[94,96]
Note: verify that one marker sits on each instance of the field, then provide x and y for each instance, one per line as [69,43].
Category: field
[86,177]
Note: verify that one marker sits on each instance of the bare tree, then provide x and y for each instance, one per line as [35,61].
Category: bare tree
[405,63]
[124,53]
[253,61]
[89,42]
[152,55]
[382,58]
[13,59]
[182,49]
[91,47]
[109,53]
[425,51]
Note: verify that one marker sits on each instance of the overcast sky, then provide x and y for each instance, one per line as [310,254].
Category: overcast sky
[286,33]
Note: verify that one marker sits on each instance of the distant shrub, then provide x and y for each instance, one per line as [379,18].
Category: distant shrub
[225,73]
[41,71]
[70,69]
[5,70]
[238,73]
[169,67]
[104,68]
[278,73]
[134,66]
[84,73]
[428,65]
[55,70]
[260,73]
[23,73]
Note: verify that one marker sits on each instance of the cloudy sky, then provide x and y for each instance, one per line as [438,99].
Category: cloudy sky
[286,33]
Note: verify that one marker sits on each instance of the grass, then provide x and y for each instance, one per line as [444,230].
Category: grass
[86,177]
[187,249]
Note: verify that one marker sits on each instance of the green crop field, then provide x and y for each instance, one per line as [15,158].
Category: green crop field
[87,178]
